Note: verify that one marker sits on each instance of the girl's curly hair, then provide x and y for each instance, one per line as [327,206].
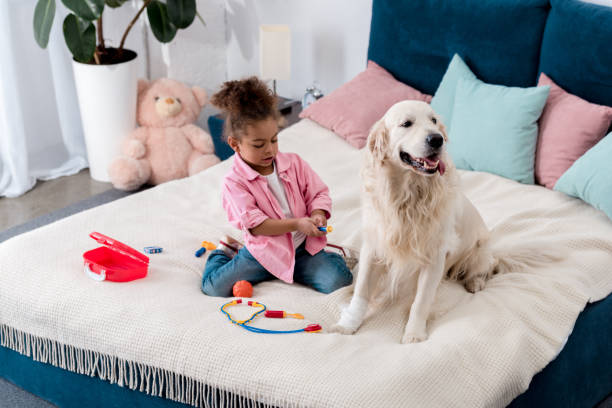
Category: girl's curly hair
[244,102]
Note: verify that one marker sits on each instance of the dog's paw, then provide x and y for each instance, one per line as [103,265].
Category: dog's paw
[414,337]
[475,284]
[337,328]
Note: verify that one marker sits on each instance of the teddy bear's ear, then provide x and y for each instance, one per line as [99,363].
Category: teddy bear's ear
[200,95]
[142,85]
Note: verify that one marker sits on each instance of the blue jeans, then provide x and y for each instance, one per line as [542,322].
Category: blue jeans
[324,271]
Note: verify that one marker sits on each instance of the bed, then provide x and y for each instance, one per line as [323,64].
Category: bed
[161,337]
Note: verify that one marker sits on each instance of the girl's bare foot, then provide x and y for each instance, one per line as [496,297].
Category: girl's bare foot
[229,245]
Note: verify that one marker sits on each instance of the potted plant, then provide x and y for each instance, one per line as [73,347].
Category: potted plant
[106,77]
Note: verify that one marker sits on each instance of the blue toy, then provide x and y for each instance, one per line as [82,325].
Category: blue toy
[153,249]
[326,229]
[206,245]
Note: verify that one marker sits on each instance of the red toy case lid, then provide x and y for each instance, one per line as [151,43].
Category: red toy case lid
[119,247]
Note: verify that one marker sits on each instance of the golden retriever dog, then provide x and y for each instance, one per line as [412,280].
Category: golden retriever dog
[417,224]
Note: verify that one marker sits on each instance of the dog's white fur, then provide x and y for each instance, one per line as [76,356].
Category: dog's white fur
[417,227]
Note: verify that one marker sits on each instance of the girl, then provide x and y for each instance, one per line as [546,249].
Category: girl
[275,198]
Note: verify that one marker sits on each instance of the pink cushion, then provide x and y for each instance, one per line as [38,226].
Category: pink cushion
[352,109]
[569,126]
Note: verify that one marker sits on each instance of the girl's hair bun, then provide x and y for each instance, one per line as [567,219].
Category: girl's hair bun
[245,101]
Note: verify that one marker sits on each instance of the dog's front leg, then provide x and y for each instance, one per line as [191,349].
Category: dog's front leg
[427,284]
[353,315]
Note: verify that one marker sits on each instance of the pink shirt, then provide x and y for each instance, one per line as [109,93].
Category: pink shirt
[248,201]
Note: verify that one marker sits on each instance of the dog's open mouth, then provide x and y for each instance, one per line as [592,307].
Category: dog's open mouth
[428,165]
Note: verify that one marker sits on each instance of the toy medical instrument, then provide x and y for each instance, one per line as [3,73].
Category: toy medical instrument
[312,328]
[329,228]
[206,245]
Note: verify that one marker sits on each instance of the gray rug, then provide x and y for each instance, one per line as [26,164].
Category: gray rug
[12,396]
[93,201]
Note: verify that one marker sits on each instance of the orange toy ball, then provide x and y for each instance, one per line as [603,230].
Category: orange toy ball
[243,289]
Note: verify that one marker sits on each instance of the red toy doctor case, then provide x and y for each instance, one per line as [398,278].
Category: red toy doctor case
[114,261]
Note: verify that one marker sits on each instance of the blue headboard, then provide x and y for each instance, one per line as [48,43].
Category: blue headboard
[505,42]
[577,49]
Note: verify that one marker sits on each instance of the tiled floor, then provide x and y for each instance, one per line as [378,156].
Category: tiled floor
[48,196]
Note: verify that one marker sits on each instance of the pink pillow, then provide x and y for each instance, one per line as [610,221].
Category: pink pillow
[352,109]
[569,126]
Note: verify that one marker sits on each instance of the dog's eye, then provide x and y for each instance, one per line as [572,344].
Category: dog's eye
[156,98]
[407,123]
[179,101]
[434,120]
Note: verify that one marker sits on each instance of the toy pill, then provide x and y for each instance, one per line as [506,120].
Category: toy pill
[326,229]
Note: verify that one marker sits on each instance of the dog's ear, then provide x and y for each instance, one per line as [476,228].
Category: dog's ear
[443,130]
[378,140]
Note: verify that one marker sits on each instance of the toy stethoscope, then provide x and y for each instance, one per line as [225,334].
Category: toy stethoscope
[312,328]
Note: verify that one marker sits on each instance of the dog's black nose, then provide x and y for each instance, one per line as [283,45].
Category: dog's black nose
[435,140]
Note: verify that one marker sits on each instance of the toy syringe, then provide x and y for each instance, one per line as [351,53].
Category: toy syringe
[281,314]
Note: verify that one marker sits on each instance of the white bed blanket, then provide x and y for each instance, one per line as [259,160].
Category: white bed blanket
[161,334]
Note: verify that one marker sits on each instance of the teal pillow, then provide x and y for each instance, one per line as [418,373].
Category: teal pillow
[589,177]
[495,128]
[444,99]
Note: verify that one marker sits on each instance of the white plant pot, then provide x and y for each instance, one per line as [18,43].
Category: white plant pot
[107,99]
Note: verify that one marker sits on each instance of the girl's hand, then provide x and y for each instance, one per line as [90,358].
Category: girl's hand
[308,226]
[319,218]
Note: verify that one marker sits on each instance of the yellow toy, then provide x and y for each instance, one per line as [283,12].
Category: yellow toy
[206,245]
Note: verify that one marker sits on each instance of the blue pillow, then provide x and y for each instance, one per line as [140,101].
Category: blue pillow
[495,129]
[444,99]
[589,177]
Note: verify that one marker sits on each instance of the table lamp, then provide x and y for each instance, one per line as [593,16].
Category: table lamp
[274,53]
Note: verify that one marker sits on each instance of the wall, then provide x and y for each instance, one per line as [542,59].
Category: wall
[195,56]
[329,40]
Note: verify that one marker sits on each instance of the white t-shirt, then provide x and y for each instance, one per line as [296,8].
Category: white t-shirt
[279,192]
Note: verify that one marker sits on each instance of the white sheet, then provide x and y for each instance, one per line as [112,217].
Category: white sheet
[482,351]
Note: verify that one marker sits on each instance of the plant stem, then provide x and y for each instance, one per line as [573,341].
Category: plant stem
[144,5]
[100,34]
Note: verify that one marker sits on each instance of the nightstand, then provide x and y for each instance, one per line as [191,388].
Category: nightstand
[290,109]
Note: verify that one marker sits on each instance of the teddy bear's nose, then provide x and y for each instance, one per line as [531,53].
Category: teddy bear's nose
[169,101]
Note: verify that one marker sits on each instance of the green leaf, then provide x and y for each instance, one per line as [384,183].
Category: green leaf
[43,20]
[88,10]
[181,12]
[115,3]
[162,27]
[80,37]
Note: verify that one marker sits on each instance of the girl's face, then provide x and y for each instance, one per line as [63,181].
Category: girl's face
[258,145]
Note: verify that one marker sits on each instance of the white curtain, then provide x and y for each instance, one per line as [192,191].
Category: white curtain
[41,136]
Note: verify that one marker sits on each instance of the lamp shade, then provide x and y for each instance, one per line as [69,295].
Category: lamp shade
[274,52]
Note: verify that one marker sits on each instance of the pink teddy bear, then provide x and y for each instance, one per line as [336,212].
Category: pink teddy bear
[167,145]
